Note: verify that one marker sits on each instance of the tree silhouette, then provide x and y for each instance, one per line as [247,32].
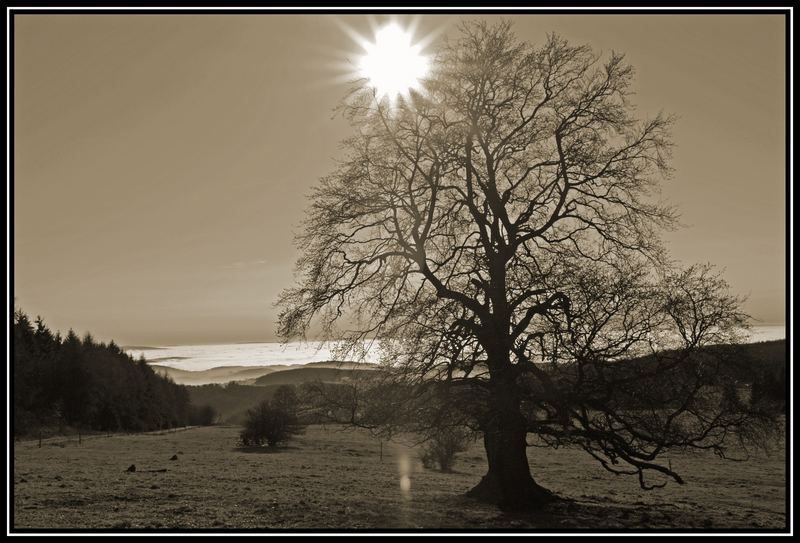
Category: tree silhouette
[499,232]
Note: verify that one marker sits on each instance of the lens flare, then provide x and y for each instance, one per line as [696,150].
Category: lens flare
[404,469]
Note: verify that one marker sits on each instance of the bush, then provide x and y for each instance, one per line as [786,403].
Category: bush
[271,422]
[441,450]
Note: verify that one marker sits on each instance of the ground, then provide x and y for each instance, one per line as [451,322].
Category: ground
[330,478]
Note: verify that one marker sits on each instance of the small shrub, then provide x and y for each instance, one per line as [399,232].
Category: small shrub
[441,450]
[269,423]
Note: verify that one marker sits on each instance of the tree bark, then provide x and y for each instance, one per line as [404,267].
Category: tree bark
[508,482]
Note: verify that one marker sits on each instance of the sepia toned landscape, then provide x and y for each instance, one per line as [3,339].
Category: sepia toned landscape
[332,273]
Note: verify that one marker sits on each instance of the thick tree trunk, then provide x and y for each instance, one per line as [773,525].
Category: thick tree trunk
[508,482]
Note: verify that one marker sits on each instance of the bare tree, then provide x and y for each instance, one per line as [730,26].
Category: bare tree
[499,232]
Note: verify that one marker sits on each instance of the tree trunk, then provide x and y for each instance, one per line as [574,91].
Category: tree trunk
[508,482]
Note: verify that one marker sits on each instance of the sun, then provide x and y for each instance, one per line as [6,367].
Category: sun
[392,64]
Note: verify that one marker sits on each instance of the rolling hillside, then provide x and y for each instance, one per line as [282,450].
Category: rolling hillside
[231,401]
[219,375]
[247,374]
[296,376]
[766,362]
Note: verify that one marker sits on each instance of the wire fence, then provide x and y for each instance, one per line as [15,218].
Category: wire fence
[79,438]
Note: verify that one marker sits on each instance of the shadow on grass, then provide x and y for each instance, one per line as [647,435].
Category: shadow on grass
[588,515]
[264,449]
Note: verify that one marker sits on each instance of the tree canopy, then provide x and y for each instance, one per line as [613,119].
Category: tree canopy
[499,231]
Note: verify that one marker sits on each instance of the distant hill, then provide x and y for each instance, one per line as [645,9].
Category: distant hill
[246,375]
[218,375]
[767,352]
[230,401]
[304,374]
[339,365]
[767,360]
[758,370]
[233,400]
[747,361]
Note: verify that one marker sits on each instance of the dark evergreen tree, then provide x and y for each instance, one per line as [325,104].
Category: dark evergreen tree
[86,385]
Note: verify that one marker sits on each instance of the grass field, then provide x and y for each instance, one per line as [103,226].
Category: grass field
[330,478]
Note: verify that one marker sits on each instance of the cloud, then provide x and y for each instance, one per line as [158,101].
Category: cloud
[241,265]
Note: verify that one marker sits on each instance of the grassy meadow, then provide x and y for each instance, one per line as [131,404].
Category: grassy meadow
[331,478]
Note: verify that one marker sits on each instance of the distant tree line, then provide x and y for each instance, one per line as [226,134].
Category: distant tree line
[446,421]
[90,385]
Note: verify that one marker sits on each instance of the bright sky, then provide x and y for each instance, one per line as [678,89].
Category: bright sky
[162,162]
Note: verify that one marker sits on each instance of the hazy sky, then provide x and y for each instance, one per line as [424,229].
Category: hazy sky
[162,162]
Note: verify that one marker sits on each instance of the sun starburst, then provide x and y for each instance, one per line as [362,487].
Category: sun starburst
[393,64]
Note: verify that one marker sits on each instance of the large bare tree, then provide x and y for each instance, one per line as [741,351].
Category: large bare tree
[499,233]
